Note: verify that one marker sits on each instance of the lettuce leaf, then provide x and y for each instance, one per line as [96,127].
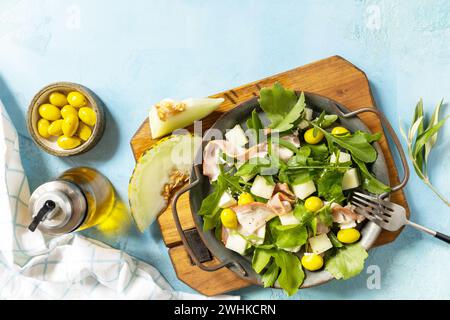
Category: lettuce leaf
[329,186]
[291,275]
[369,182]
[287,237]
[281,106]
[348,262]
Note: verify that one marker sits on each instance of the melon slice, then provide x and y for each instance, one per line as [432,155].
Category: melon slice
[169,115]
[162,169]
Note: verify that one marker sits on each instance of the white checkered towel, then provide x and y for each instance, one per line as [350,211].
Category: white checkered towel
[33,266]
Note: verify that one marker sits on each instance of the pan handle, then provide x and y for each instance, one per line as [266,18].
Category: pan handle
[191,253]
[398,146]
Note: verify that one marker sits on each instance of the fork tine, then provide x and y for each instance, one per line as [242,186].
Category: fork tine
[374,211]
[371,201]
[389,205]
[374,219]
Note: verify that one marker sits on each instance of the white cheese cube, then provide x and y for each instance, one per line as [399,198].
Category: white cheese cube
[303,124]
[236,243]
[320,243]
[303,190]
[288,219]
[343,158]
[226,200]
[308,114]
[282,152]
[262,188]
[259,233]
[237,136]
[350,179]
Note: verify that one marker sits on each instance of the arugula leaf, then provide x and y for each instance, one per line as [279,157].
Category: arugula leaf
[334,240]
[302,214]
[318,151]
[358,144]
[325,120]
[210,203]
[325,215]
[291,275]
[254,123]
[329,185]
[369,182]
[433,122]
[253,166]
[271,275]
[281,106]
[287,237]
[261,258]
[348,262]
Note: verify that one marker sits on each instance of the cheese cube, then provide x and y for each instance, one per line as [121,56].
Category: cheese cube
[303,190]
[350,179]
[343,158]
[320,243]
[237,136]
[236,243]
[288,219]
[226,200]
[262,188]
[308,114]
[303,124]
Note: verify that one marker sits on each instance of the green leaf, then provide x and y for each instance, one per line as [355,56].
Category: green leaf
[348,262]
[325,215]
[210,203]
[418,113]
[302,214]
[318,151]
[426,136]
[254,123]
[325,120]
[433,122]
[281,106]
[287,237]
[261,258]
[329,185]
[253,166]
[291,275]
[369,182]
[358,144]
[271,275]
[334,240]
[292,116]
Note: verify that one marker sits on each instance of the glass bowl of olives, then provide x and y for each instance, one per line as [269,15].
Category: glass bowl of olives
[66,119]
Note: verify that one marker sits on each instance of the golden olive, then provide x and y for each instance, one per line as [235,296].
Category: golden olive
[67,143]
[312,262]
[76,99]
[58,99]
[67,110]
[70,125]
[313,204]
[88,116]
[229,219]
[55,128]
[339,131]
[245,198]
[42,126]
[348,235]
[49,112]
[312,138]
[84,131]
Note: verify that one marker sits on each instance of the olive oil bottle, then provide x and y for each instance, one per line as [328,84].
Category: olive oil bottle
[78,199]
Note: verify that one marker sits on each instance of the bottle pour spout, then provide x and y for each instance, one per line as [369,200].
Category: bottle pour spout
[49,205]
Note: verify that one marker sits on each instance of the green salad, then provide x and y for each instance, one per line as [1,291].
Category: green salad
[281,189]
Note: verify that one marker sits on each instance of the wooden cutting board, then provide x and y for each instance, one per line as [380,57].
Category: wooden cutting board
[333,77]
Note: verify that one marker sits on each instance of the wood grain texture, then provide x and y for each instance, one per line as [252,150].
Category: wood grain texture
[333,77]
[207,283]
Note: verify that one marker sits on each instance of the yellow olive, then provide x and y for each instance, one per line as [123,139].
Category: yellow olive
[348,235]
[43,125]
[49,112]
[313,204]
[88,116]
[58,99]
[245,198]
[339,131]
[84,131]
[312,138]
[70,125]
[76,99]
[229,219]
[312,262]
[55,128]
[68,109]
[68,142]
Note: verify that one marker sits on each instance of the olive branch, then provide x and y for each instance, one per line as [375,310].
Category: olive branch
[420,140]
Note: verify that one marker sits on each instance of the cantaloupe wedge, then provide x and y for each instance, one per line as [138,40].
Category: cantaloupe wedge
[164,167]
[169,115]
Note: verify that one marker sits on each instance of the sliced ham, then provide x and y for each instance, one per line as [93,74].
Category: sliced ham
[284,188]
[345,215]
[215,147]
[254,215]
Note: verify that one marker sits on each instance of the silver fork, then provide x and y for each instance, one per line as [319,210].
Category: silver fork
[388,215]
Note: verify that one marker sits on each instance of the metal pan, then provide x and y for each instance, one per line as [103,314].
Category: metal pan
[200,187]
